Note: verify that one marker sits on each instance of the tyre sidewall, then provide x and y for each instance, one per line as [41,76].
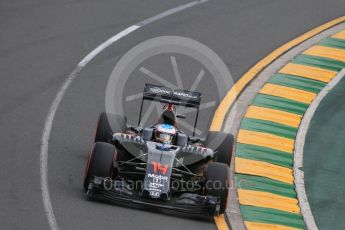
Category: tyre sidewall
[100,162]
[222,144]
[218,182]
[107,125]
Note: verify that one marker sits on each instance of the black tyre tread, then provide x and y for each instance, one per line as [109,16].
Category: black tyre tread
[105,130]
[223,144]
[219,172]
[101,162]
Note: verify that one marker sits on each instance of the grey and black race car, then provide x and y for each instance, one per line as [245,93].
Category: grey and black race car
[160,166]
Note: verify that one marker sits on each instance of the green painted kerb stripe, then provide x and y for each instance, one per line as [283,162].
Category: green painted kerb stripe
[271,216]
[279,103]
[333,42]
[297,82]
[269,155]
[320,62]
[264,185]
[269,127]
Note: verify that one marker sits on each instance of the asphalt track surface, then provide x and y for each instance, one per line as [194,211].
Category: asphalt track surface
[40,44]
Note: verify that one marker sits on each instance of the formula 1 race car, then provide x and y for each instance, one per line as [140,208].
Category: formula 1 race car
[160,166]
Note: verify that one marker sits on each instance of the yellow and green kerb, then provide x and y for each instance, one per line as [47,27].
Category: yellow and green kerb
[265,142]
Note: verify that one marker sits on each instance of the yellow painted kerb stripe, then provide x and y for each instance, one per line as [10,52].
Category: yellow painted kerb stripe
[310,72]
[288,93]
[327,52]
[263,226]
[340,35]
[230,97]
[268,200]
[277,116]
[221,223]
[265,140]
[264,169]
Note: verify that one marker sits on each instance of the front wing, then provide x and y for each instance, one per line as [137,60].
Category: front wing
[115,192]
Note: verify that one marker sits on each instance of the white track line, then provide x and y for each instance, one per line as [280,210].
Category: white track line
[61,93]
[299,148]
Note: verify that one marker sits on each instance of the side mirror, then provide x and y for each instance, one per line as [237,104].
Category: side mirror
[182,116]
[194,140]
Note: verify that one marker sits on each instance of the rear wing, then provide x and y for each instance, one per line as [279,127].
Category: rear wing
[166,95]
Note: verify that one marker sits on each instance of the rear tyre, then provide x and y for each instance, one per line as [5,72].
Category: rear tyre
[222,144]
[109,124]
[100,162]
[218,183]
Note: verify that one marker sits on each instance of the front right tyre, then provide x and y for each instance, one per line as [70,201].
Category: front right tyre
[107,125]
[100,162]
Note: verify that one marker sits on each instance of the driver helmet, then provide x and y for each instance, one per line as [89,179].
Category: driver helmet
[165,133]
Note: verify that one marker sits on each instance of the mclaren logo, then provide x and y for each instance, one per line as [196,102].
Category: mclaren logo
[157,177]
[160,90]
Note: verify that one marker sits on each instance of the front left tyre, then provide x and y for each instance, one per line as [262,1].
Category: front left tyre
[222,144]
[100,162]
[218,182]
